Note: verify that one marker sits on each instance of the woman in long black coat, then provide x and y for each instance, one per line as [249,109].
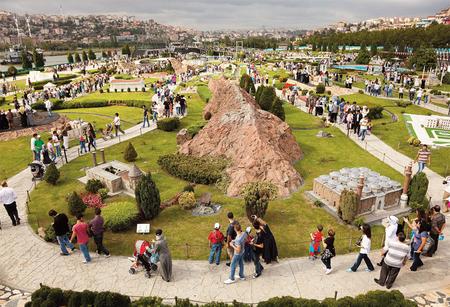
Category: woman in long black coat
[270,252]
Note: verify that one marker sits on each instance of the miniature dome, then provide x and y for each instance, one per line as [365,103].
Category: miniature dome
[134,172]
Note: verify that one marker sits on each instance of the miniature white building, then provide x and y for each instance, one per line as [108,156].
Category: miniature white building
[134,85]
[438,122]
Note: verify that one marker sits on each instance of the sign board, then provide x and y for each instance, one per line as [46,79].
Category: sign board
[143,228]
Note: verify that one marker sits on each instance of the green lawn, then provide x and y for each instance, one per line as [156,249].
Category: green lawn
[291,219]
[204,92]
[99,117]
[97,96]
[443,87]
[396,134]
[16,154]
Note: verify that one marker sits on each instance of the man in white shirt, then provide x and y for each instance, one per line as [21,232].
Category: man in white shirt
[33,139]
[395,257]
[8,198]
[117,124]
[48,106]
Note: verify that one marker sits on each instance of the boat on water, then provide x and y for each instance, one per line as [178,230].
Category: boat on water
[14,55]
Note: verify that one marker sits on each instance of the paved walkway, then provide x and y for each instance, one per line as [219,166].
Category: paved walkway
[28,261]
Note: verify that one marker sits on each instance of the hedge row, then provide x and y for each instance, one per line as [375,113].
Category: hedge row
[168,124]
[60,104]
[201,170]
[56,297]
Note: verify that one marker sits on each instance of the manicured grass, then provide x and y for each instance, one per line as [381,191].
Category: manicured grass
[395,134]
[443,87]
[99,117]
[16,154]
[204,92]
[97,96]
[291,219]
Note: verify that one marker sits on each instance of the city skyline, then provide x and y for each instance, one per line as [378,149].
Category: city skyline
[233,15]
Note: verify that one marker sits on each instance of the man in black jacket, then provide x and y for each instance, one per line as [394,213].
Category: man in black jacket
[61,227]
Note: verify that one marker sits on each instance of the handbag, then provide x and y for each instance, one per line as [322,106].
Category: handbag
[327,254]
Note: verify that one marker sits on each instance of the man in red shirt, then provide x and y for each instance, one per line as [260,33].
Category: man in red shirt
[80,231]
[215,239]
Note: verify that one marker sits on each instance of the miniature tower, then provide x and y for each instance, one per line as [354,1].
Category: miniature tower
[134,175]
[407,180]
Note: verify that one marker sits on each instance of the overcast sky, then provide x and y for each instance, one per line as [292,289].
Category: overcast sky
[236,14]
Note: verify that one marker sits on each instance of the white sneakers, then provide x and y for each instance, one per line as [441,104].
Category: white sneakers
[328,271]
[229,281]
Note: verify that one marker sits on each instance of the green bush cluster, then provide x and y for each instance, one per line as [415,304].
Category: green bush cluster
[195,128]
[320,88]
[168,124]
[348,206]
[257,196]
[202,170]
[75,204]
[246,83]
[120,216]
[130,153]
[147,197]
[414,141]
[402,104]
[61,81]
[187,200]
[268,101]
[56,297]
[375,113]
[417,190]
[61,105]
[52,174]
[93,186]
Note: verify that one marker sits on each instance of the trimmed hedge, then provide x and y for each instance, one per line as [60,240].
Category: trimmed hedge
[46,296]
[61,81]
[61,105]
[195,128]
[168,124]
[202,170]
[120,216]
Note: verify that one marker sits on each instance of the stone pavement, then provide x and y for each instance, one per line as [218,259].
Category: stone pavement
[435,298]
[26,261]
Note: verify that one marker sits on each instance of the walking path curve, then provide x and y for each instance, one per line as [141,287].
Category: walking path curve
[26,261]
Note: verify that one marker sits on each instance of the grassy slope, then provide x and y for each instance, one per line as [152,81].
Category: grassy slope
[291,219]
[396,134]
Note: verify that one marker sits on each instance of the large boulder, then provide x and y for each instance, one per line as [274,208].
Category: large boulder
[259,145]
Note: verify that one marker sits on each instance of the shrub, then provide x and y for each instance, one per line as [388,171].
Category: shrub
[418,189]
[195,128]
[360,92]
[130,153]
[187,200]
[358,222]
[168,124]
[103,193]
[320,88]
[92,200]
[93,185]
[318,203]
[348,205]
[120,216]
[257,196]
[277,109]
[267,98]
[207,116]
[147,197]
[416,142]
[375,113]
[304,92]
[75,203]
[202,170]
[52,174]
[258,93]
[402,104]
[247,84]
[188,188]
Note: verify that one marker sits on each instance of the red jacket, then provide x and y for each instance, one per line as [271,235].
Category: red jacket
[216,236]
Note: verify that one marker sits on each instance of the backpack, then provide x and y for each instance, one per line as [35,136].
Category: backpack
[428,245]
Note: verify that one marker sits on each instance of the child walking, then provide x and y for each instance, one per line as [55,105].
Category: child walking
[216,239]
[328,251]
[316,240]
[364,251]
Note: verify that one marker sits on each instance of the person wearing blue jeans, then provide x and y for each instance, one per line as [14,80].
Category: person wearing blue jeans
[80,231]
[145,117]
[423,157]
[238,257]
[216,239]
[61,227]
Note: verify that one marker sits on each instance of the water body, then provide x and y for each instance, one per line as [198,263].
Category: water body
[50,60]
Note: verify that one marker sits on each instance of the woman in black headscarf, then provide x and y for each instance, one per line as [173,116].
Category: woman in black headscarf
[270,252]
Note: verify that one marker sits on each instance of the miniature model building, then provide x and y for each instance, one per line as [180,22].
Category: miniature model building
[376,192]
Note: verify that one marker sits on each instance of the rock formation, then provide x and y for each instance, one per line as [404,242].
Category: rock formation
[259,145]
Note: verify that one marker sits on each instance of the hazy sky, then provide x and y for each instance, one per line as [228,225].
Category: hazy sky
[236,14]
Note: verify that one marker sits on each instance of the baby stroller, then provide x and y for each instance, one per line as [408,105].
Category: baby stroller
[37,170]
[108,132]
[144,257]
